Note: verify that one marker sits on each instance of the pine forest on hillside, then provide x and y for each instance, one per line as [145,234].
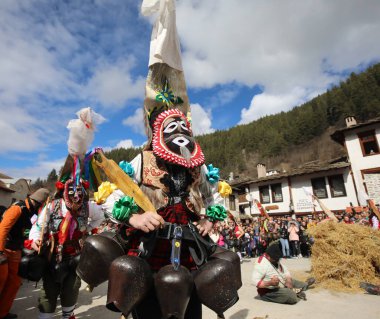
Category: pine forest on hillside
[290,138]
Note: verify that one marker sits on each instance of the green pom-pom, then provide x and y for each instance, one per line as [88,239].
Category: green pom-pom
[124,208]
[216,213]
[26,233]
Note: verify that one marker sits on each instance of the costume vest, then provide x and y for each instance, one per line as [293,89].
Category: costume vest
[80,218]
[15,238]
[176,185]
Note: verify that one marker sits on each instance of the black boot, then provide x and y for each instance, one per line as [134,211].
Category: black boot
[373,290]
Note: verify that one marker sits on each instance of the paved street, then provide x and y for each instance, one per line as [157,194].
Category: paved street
[320,303]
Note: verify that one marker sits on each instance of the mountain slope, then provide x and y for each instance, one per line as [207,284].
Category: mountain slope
[291,138]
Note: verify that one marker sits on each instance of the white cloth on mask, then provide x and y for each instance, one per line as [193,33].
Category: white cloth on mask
[164,43]
[82,131]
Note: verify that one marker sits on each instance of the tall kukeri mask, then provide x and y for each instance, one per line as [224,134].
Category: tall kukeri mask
[173,141]
[73,196]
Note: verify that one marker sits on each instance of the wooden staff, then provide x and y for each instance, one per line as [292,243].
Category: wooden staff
[124,182]
[328,212]
[261,209]
[43,225]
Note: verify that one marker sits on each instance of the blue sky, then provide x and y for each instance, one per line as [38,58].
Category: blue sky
[242,60]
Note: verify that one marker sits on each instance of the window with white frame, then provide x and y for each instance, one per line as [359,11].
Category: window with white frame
[276,193]
[264,194]
[368,143]
[319,187]
[337,187]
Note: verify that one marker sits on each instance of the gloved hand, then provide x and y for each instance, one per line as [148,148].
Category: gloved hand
[3,258]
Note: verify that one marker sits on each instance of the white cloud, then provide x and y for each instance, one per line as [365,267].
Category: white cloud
[57,58]
[279,45]
[112,84]
[266,104]
[128,143]
[54,60]
[30,55]
[18,131]
[40,170]
[136,121]
[222,97]
[201,120]
[125,144]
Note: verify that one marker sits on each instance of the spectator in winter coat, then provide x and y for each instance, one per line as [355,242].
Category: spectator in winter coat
[294,239]
[15,221]
[284,239]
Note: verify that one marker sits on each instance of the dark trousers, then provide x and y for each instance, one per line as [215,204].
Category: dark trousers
[305,249]
[149,308]
[295,248]
[284,295]
[67,289]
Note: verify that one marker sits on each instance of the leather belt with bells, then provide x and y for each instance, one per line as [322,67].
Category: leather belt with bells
[175,257]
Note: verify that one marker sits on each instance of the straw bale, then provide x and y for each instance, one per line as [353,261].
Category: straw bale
[344,255]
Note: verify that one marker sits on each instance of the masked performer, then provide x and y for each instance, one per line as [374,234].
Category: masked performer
[63,223]
[171,266]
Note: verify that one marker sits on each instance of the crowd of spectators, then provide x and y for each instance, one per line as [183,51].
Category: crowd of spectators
[250,238]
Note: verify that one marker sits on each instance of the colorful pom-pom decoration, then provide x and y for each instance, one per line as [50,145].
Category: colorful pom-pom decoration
[224,189]
[124,208]
[104,190]
[212,174]
[127,168]
[59,185]
[86,184]
[216,213]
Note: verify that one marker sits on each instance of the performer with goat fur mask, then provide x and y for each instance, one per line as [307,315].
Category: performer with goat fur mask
[170,266]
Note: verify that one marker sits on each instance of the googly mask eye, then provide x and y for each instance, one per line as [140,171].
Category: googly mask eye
[171,127]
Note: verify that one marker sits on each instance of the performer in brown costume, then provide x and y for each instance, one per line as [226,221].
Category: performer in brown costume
[170,266]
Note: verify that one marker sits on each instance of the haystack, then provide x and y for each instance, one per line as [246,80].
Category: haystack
[344,255]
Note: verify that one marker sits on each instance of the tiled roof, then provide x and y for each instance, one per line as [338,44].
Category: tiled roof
[338,135]
[4,187]
[3,176]
[308,168]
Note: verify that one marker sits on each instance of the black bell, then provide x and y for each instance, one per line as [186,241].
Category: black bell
[97,254]
[173,289]
[215,286]
[233,258]
[130,280]
[32,266]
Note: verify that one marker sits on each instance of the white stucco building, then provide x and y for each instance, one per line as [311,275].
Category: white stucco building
[339,183]
[362,145]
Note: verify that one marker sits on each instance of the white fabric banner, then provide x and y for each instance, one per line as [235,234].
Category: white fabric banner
[164,44]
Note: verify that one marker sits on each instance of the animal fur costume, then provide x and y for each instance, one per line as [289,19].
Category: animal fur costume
[64,223]
[172,271]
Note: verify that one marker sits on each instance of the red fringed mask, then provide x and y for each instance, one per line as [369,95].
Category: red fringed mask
[173,141]
[73,196]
